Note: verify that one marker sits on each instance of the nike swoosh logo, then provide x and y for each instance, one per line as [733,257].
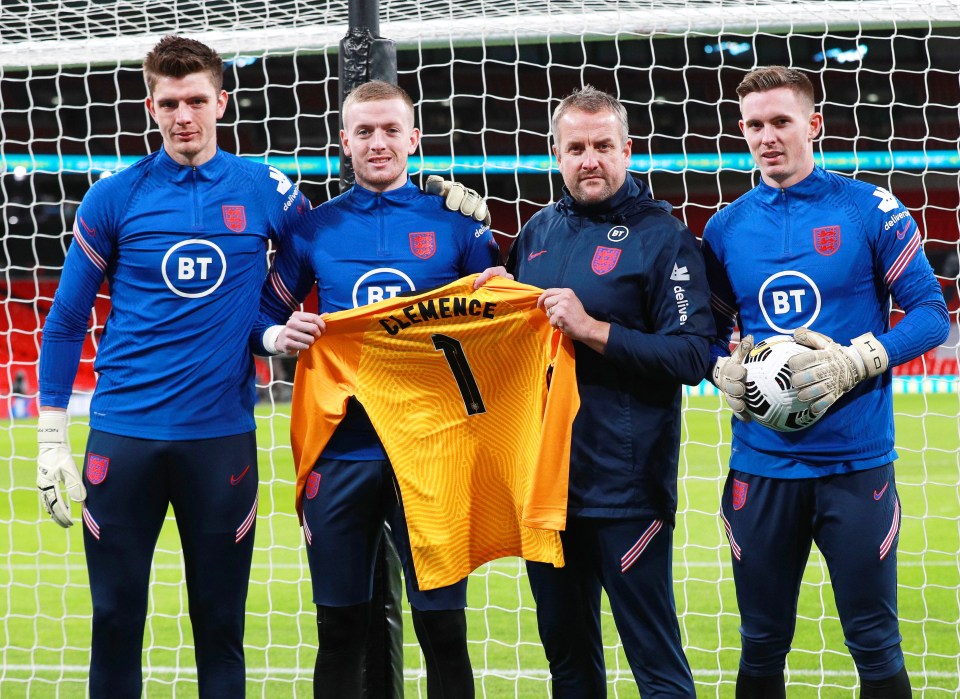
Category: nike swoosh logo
[903,231]
[876,495]
[532,255]
[236,479]
[88,229]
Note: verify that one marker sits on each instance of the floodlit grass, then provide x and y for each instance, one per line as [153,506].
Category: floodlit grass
[45,605]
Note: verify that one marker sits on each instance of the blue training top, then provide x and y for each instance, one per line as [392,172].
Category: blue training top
[827,253]
[362,247]
[183,250]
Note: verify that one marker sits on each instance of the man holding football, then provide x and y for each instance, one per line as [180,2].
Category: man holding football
[819,256]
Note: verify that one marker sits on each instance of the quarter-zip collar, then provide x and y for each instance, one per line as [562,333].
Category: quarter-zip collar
[196,177]
[175,172]
[810,186]
[367,199]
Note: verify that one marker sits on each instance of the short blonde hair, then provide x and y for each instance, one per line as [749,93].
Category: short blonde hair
[374,91]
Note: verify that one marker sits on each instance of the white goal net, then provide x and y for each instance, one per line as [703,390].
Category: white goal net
[485,75]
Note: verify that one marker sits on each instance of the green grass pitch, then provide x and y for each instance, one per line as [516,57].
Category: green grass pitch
[45,605]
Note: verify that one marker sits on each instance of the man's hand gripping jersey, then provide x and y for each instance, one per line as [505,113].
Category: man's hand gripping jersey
[455,382]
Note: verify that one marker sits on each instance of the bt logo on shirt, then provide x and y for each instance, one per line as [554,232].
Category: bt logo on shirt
[789,300]
[379,284]
[194,268]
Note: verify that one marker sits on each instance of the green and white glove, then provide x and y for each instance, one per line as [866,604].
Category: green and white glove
[456,197]
[730,376]
[55,465]
[829,371]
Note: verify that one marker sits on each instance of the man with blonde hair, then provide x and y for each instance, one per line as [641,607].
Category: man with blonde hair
[380,238]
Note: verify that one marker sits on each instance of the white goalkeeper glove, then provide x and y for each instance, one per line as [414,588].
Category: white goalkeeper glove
[730,376]
[829,371]
[55,464]
[456,197]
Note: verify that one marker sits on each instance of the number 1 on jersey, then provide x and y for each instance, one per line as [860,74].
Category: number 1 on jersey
[460,367]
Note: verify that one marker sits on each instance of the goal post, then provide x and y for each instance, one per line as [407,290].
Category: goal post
[484,76]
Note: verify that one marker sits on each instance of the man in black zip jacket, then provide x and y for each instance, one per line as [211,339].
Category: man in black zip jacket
[625,280]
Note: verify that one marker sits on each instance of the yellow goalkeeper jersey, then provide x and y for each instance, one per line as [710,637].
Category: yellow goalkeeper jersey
[455,383]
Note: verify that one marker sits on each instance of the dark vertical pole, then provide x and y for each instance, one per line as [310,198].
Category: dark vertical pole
[364,56]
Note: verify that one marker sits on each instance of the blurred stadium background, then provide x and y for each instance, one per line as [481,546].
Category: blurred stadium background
[485,76]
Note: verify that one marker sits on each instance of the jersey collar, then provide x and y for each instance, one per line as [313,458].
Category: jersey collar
[809,186]
[367,198]
[210,170]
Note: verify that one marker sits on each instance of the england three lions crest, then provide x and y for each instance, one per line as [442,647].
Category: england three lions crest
[313,485]
[97,467]
[605,259]
[740,494]
[826,240]
[423,245]
[235,218]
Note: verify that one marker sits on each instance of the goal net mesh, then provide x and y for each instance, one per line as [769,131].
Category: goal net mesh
[484,75]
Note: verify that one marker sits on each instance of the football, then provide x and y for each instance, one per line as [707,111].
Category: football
[770,398]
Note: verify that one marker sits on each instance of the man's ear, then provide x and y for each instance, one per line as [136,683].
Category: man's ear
[816,125]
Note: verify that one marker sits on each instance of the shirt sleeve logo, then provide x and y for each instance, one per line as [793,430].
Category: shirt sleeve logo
[86,228]
[679,274]
[423,245]
[888,202]
[283,182]
[826,239]
[235,218]
[605,259]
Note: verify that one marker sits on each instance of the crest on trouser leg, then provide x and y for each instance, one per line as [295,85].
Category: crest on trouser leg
[313,485]
[739,494]
[96,468]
